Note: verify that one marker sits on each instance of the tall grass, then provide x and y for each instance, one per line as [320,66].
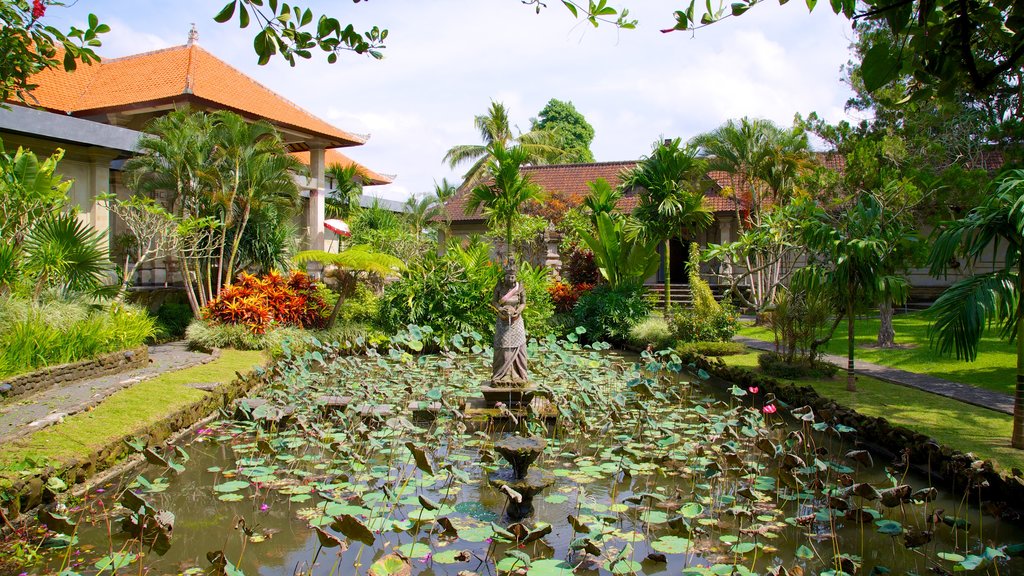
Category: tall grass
[58,332]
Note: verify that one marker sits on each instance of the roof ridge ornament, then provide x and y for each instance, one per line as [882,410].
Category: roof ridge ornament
[193,35]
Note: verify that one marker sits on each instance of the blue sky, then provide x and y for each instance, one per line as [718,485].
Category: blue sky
[447,59]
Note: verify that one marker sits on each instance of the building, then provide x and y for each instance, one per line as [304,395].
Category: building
[97,114]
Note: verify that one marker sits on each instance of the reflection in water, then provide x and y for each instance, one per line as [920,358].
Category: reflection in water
[676,478]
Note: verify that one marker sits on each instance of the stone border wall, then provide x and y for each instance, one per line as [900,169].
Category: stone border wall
[955,470]
[44,378]
[24,494]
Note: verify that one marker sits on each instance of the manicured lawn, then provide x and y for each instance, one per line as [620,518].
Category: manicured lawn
[969,428]
[995,368]
[123,413]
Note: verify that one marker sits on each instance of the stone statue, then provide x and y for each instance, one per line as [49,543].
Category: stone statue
[509,368]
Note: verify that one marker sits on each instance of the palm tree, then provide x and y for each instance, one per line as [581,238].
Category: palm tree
[963,311]
[61,250]
[348,187]
[248,162]
[350,266]
[539,146]
[853,250]
[762,157]
[171,159]
[444,189]
[422,213]
[602,199]
[671,199]
[508,189]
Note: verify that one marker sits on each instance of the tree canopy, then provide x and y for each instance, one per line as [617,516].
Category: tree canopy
[573,133]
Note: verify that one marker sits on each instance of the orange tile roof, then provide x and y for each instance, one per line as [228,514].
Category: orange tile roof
[334,157]
[179,74]
[572,179]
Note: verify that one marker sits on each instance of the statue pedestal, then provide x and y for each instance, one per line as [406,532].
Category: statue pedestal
[511,396]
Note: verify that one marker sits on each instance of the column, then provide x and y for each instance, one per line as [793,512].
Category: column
[315,217]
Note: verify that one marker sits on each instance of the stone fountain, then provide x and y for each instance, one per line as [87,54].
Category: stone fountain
[519,483]
[510,378]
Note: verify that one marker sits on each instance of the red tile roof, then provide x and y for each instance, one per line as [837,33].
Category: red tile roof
[179,74]
[334,157]
[571,180]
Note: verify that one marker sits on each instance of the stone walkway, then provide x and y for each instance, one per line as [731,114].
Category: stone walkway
[965,393]
[31,413]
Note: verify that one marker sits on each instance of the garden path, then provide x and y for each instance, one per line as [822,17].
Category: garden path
[52,405]
[963,392]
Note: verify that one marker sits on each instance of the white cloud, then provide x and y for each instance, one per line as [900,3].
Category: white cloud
[447,59]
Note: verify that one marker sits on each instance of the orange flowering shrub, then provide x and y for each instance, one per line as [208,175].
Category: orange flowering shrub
[260,302]
[564,295]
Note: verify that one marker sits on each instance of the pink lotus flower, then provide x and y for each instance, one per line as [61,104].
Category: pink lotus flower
[753,389]
[264,507]
[769,409]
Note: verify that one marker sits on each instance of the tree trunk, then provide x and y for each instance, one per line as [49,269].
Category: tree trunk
[668,282]
[1017,439]
[235,243]
[851,377]
[886,333]
[334,313]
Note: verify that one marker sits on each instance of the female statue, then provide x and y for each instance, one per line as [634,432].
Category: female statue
[509,368]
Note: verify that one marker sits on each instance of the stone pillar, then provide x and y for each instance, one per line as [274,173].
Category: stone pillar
[99,183]
[315,217]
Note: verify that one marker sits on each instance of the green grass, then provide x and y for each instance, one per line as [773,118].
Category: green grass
[123,414]
[995,368]
[965,427]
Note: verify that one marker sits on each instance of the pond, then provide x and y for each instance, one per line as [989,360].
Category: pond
[375,464]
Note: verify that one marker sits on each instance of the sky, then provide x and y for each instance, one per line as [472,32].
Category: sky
[446,60]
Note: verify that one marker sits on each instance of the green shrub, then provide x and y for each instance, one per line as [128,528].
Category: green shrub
[172,319]
[777,365]
[711,348]
[690,325]
[208,334]
[361,307]
[608,313]
[453,293]
[653,332]
[34,336]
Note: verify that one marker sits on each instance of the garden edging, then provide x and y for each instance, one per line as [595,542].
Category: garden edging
[959,471]
[105,365]
[28,492]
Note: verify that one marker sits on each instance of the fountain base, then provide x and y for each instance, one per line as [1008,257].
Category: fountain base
[535,481]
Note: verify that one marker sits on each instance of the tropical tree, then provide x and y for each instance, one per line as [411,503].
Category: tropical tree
[603,198]
[348,187]
[502,197]
[671,198]
[538,146]
[422,213]
[849,258]
[444,189]
[249,169]
[572,132]
[39,244]
[763,159]
[962,313]
[171,159]
[152,230]
[624,259]
[348,267]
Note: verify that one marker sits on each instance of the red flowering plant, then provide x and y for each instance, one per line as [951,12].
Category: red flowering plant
[565,295]
[262,302]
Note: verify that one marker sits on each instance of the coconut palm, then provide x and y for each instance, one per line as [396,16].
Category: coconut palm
[966,308]
[348,267]
[671,197]
[539,146]
[507,190]
[444,189]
